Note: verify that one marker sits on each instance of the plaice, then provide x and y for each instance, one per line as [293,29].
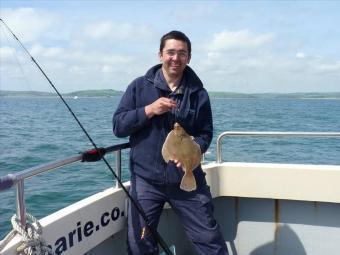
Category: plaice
[179,145]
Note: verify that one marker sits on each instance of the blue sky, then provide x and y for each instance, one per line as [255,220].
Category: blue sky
[238,46]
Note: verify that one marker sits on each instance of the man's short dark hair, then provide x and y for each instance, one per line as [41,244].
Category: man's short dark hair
[177,35]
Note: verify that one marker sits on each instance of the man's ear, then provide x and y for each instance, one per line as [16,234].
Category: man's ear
[189,58]
[160,56]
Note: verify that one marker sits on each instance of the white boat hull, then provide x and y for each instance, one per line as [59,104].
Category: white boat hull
[261,208]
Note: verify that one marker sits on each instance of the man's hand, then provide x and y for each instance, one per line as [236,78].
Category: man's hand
[178,164]
[160,106]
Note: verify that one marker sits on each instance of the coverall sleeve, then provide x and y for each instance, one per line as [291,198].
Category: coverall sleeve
[204,123]
[128,118]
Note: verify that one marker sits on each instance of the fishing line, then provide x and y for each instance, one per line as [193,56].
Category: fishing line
[153,231]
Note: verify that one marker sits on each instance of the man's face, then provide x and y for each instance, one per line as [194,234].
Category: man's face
[175,57]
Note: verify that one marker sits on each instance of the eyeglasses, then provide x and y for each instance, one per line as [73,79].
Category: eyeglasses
[180,53]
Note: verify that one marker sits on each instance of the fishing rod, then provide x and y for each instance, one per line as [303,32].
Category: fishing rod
[153,231]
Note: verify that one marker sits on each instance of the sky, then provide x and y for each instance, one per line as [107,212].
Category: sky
[237,46]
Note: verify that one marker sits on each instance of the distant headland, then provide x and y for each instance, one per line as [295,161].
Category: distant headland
[212,94]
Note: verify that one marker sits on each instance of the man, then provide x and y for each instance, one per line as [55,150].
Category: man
[169,92]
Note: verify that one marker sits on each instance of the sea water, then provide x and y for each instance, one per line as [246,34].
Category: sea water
[35,131]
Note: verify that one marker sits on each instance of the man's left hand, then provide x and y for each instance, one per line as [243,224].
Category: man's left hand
[178,164]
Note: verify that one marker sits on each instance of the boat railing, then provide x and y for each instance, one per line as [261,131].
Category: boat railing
[18,178]
[267,134]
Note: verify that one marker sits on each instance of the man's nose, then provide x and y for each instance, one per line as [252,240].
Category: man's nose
[176,56]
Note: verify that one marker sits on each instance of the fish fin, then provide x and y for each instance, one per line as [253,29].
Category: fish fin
[166,155]
[188,182]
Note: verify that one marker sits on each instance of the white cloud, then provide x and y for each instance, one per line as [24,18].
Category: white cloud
[99,30]
[6,53]
[116,31]
[47,52]
[246,61]
[235,52]
[300,55]
[107,69]
[242,39]
[10,56]
[315,65]
[29,24]
[327,68]
[199,11]
[76,69]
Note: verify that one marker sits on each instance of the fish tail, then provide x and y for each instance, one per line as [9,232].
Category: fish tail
[188,182]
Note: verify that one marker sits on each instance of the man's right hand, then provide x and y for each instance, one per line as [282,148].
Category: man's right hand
[160,106]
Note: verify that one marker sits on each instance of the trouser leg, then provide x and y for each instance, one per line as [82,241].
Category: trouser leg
[140,239]
[195,210]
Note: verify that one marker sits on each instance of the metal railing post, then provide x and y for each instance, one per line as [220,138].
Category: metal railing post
[219,149]
[21,208]
[118,166]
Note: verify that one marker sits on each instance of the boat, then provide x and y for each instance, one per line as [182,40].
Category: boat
[262,208]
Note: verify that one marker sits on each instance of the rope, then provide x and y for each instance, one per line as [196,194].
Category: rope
[31,241]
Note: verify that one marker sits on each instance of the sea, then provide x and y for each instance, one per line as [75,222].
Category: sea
[36,131]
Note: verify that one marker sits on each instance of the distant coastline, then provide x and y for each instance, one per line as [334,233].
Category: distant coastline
[212,94]
[77,94]
[299,95]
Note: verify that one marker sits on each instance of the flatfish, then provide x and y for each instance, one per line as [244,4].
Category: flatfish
[181,146]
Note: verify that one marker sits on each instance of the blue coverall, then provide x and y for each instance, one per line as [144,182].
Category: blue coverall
[153,181]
